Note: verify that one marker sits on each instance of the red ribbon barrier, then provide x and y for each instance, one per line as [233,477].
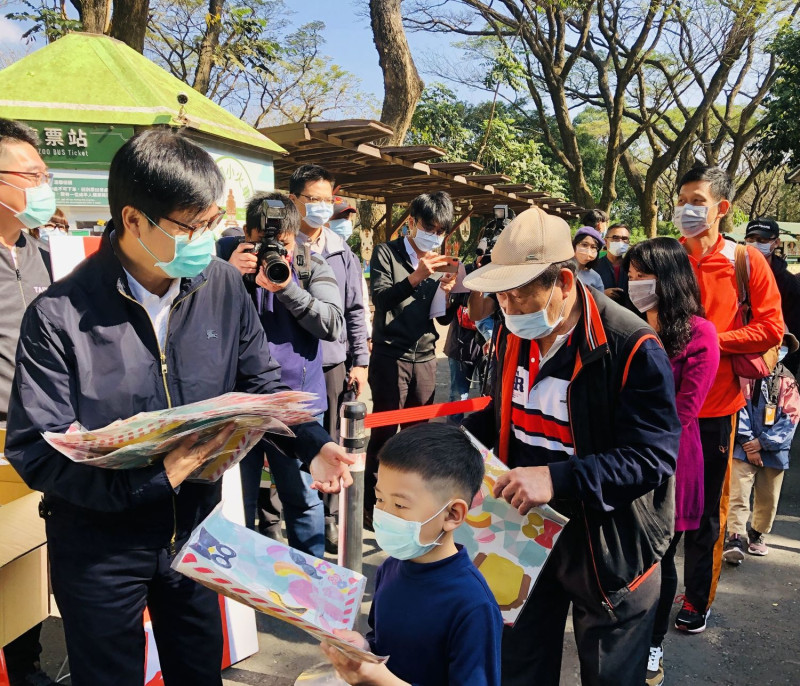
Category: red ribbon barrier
[418,414]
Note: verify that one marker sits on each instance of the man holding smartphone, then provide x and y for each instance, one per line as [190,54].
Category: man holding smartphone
[406,276]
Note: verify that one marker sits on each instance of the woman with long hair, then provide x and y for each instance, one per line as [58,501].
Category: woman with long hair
[587,244]
[663,288]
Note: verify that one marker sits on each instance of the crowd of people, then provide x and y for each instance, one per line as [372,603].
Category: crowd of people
[643,391]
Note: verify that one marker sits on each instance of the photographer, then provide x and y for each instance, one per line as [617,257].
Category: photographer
[297,313]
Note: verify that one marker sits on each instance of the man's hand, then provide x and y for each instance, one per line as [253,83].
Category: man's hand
[614,293]
[525,487]
[266,284]
[428,264]
[754,458]
[753,446]
[329,467]
[447,282]
[245,262]
[358,378]
[182,461]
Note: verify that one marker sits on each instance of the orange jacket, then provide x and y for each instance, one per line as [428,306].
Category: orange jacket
[717,278]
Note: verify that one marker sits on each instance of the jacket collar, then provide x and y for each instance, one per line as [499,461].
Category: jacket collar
[113,275]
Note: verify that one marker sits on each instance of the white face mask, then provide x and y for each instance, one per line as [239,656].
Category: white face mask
[783,351]
[618,248]
[691,220]
[427,242]
[764,248]
[643,294]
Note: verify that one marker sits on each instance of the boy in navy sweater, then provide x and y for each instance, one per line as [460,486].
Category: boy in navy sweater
[433,613]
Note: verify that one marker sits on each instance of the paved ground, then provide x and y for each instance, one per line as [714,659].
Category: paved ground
[751,639]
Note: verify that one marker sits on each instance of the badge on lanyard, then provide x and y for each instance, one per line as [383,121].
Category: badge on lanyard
[769,414]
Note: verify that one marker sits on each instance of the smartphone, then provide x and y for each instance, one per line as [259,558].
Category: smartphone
[451,267]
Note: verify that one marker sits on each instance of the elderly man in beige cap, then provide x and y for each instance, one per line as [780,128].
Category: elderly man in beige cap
[584,414]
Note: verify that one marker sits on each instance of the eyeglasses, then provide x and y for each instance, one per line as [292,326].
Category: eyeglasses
[38,177]
[586,246]
[438,230]
[314,198]
[624,239]
[200,228]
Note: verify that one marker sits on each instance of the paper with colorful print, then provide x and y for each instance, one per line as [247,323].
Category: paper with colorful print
[509,549]
[147,437]
[314,595]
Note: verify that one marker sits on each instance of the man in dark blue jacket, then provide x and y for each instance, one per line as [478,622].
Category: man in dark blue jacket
[297,317]
[584,414]
[149,322]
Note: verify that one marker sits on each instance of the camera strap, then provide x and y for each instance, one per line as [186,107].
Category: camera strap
[302,265]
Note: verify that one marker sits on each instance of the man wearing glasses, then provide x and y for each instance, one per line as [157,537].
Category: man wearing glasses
[26,202]
[148,322]
[615,278]
[406,276]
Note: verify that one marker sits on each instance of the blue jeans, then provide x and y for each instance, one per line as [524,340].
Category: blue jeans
[302,506]
[459,386]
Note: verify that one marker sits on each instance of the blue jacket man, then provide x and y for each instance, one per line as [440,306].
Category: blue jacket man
[148,322]
[297,317]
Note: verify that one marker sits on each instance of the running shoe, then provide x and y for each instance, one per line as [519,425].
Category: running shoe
[755,543]
[690,619]
[733,552]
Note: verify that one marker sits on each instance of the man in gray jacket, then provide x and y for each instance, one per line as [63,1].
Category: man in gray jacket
[26,202]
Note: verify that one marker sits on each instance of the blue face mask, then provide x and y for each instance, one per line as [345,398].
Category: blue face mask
[399,538]
[534,325]
[691,220]
[40,205]
[342,227]
[426,242]
[783,351]
[318,214]
[191,257]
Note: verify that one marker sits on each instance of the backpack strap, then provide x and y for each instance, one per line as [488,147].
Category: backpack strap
[302,264]
[742,267]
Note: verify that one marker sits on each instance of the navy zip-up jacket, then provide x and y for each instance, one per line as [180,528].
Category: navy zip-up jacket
[88,353]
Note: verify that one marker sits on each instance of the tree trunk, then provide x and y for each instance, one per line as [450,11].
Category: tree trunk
[402,88]
[205,60]
[129,22]
[94,14]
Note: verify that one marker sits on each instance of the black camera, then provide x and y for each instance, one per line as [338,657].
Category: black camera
[503,215]
[270,251]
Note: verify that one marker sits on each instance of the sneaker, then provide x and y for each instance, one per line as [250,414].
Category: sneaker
[756,545]
[690,619]
[655,667]
[733,553]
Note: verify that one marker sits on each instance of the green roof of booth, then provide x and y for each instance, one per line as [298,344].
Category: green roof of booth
[95,79]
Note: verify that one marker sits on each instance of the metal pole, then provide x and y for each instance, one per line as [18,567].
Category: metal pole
[353,438]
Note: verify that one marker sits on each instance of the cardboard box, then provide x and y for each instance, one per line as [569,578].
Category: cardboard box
[24,597]
[11,484]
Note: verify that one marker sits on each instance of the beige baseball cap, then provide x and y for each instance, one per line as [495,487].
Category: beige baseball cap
[531,242]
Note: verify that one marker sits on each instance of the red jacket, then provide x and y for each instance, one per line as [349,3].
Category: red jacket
[717,278]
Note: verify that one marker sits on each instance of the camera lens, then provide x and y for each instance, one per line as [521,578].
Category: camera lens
[275,268]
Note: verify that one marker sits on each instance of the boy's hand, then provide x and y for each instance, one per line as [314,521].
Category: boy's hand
[525,487]
[358,673]
[329,466]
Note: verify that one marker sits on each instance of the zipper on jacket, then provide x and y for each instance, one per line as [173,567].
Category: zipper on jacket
[163,358]
[607,605]
[19,283]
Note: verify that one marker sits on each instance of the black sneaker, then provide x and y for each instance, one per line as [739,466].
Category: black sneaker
[733,552]
[690,619]
[331,538]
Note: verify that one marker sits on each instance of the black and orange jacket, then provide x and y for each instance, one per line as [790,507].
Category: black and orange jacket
[625,431]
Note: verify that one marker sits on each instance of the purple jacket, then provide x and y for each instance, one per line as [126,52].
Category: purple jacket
[694,370]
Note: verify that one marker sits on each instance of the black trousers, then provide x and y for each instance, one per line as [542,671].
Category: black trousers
[613,651]
[703,546]
[669,586]
[102,594]
[335,379]
[395,384]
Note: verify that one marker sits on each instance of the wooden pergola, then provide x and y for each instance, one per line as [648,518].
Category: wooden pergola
[395,175]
